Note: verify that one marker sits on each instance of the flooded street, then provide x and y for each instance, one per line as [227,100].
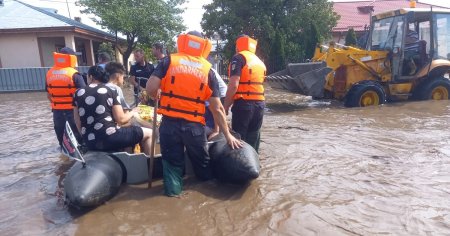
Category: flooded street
[326,170]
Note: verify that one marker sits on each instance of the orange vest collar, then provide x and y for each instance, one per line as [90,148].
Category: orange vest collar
[246,44]
[193,45]
[64,60]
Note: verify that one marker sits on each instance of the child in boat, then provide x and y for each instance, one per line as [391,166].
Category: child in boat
[98,115]
[115,71]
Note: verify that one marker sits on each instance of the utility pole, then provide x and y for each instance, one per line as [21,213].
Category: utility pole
[67,3]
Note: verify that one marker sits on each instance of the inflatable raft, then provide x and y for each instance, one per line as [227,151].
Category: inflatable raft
[97,176]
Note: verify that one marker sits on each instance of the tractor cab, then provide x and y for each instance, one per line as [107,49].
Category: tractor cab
[415,39]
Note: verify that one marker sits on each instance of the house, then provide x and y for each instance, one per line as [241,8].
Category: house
[357,15]
[29,35]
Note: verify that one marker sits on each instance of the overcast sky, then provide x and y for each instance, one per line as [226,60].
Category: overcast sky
[192,15]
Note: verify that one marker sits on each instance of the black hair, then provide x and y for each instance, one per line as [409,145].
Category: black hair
[139,50]
[195,33]
[104,57]
[99,74]
[114,67]
[242,35]
[158,46]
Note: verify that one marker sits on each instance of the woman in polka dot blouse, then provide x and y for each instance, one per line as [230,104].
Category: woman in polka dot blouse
[98,115]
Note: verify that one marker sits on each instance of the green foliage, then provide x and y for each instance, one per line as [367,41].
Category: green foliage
[299,23]
[146,21]
[277,58]
[108,48]
[350,38]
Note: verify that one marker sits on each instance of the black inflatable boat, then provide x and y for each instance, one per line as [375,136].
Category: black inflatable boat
[97,176]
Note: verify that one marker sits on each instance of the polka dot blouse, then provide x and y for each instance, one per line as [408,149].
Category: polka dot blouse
[94,104]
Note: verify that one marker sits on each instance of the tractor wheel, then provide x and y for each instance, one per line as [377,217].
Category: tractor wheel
[365,93]
[434,89]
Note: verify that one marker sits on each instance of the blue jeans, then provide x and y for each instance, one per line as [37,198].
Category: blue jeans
[59,124]
[175,135]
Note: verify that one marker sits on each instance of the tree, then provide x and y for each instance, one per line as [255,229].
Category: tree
[107,47]
[277,59]
[350,38]
[293,20]
[143,20]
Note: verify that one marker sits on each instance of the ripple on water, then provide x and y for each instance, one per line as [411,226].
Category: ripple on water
[326,170]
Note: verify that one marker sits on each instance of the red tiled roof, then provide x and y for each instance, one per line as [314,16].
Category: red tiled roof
[351,17]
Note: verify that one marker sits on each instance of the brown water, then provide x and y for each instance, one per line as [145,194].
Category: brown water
[326,170]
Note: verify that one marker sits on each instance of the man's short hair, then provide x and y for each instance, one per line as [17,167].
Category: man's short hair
[104,57]
[67,50]
[139,51]
[114,67]
[158,46]
[195,33]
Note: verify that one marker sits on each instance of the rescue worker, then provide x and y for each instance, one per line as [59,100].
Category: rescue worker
[61,83]
[158,51]
[103,59]
[246,91]
[187,82]
[141,69]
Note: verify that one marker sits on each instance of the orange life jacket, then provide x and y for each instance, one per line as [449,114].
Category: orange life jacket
[252,78]
[185,89]
[60,84]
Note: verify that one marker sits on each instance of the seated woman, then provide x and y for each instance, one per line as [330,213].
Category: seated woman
[98,115]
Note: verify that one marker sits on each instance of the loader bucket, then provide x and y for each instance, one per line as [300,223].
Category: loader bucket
[304,78]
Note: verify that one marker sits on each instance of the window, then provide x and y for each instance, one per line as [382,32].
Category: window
[387,33]
[443,36]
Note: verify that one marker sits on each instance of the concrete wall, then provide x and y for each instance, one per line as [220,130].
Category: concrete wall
[20,50]
[48,46]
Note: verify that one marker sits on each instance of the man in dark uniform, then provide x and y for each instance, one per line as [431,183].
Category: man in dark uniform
[141,69]
[158,51]
[246,91]
[61,82]
[187,82]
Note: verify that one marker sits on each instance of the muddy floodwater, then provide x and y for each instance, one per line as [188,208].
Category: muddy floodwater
[326,170]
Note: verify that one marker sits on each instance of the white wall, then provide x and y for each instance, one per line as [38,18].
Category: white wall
[48,46]
[19,50]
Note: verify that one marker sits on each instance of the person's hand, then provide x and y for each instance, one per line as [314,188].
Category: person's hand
[234,142]
[212,135]
[135,110]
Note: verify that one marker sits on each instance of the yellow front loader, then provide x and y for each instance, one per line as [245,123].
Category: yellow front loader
[407,57]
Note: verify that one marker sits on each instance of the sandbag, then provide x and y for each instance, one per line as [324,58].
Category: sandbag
[94,183]
[234,166]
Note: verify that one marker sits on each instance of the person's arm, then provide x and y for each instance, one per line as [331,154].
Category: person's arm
[76,117]
[120,116]
[237,63]
[233,85]
[215,131]
[132,78]
[78,80]
[154,82]
[153,86]
[220,119]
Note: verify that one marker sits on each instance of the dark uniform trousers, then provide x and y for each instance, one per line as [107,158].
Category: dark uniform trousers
[247,120]
[59,123]
[175,135]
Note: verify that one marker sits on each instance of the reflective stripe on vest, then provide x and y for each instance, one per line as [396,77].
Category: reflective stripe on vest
[185,89]
[61,87]
[252,78]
